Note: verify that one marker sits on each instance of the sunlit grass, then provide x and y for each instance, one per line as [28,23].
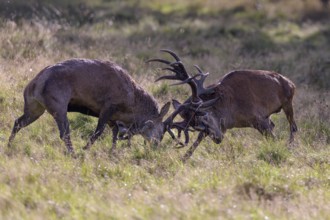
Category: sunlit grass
[245,177]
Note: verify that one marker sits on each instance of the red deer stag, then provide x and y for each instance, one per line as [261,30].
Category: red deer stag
[93,87]
[244,98]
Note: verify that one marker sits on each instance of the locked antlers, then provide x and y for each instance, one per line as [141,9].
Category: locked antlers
[196,104]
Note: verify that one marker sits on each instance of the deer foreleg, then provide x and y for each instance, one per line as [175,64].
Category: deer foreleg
[191,150]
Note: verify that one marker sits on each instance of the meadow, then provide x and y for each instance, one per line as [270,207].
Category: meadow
[244,177]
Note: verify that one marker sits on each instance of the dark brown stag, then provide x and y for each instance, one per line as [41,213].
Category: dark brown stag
[97,88]
[243,98]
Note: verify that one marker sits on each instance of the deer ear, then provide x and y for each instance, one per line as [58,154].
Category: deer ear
[176,104]
[165,109]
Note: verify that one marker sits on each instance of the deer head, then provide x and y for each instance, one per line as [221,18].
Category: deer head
[154,129]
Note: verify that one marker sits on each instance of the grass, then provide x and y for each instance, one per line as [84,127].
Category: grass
[245,177]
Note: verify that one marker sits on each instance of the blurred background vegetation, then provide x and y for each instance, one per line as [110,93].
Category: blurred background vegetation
[291,37]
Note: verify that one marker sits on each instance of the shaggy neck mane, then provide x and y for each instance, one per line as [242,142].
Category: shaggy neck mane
[142,98]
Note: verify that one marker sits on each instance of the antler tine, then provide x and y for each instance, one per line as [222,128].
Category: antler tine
[170,77]
[177,75]
[204,106]
[168,122]
[180,73]
[176,57]
[189,80]
[199,69]
[200,82]
[158,60]
[178,65]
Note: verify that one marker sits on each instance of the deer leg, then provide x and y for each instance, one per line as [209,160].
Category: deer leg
[64,128]
[129,143]
[115,131]
[57,107]
[191,150]
[31,113]
[269,128]
[103,120]
[179,129]
[179,133]
[288,110]
[265,127]
[186,134]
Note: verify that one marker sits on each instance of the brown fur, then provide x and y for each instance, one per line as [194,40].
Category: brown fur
[98,88]
[247,99]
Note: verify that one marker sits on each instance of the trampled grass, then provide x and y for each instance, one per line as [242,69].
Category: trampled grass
[245,177]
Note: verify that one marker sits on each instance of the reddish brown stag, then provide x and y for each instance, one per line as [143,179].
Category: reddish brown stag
[243,98]
[98,88]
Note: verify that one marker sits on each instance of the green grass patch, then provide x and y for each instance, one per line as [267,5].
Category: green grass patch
[274,153]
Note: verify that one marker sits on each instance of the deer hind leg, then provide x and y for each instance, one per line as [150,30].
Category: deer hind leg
[58,109]
[64,128]
[288,110]
[104,117]
[32,111]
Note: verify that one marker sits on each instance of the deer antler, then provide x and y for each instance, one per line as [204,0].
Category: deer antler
[180,74]
[196,104]
[200,82]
